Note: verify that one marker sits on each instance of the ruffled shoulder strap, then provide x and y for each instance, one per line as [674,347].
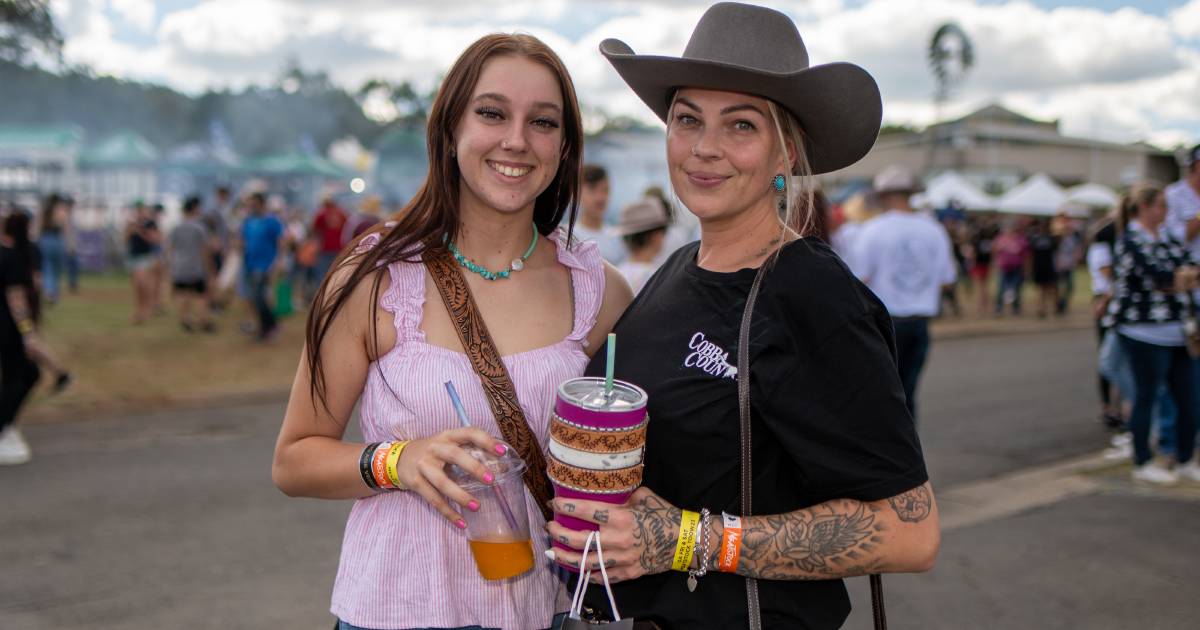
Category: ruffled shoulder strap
[405,295]
[587,279]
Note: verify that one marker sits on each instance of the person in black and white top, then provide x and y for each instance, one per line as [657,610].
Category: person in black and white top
[906,259]
[1151,271]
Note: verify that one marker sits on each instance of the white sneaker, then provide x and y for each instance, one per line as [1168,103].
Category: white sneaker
[1190,471]
[1119,452]
[13,448]
[1152,472]
[1122,439]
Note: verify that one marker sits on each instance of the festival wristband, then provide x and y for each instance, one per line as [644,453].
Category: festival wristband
[25,326]
[393,464]
[731,544]
[364,466]
[686,545]
[379,465]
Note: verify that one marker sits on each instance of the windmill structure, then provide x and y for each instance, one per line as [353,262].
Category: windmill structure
[951,55]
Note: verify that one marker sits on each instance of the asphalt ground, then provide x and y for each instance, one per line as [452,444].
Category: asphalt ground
[170,520]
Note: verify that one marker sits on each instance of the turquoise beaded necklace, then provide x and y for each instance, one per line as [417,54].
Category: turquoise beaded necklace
[517,264]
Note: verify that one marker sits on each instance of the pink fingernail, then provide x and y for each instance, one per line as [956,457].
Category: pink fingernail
[500,449]
[488,477]
[461,524]
[473,506]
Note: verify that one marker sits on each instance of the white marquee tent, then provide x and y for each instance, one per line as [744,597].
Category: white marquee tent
[950,186]
[1038,195]
[1093,195]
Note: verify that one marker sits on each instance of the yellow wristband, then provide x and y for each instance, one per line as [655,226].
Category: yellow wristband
[687,541]
[392,465]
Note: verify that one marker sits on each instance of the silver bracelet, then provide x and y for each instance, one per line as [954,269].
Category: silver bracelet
[702,548]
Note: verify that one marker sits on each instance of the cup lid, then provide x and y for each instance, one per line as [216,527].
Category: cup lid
[502,466]
[588,392]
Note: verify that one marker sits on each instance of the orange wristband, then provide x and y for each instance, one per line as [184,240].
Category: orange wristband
[379,465]
[731,544]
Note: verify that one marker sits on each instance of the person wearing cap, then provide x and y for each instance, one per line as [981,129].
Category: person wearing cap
[905,258]
[839,483]
[643,226]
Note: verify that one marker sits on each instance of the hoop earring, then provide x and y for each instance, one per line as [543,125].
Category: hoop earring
[779,182]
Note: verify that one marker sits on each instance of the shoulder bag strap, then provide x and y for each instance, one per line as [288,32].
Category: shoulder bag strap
[493,375]
[743,379]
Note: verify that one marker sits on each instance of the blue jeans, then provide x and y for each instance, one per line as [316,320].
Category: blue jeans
[54,263]
[259,284]
[1010,281]
[555,625]
[1153,367]
[912,348]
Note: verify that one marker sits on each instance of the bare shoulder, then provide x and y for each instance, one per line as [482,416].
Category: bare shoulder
[617,296]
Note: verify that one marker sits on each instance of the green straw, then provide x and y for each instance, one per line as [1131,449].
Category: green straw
[608,368]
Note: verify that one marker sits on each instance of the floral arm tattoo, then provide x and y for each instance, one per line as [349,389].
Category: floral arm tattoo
[836,539]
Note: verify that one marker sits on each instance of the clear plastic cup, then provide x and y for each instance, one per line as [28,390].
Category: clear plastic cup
[498,531]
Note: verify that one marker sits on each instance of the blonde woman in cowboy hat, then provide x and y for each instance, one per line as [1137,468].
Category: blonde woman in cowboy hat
[839,482]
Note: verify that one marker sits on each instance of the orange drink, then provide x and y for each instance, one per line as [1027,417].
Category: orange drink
[498,560]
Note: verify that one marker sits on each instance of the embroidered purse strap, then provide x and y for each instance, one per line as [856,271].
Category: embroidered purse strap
[497,384]
[743,380]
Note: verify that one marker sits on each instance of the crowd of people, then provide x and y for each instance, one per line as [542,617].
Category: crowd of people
[250,252]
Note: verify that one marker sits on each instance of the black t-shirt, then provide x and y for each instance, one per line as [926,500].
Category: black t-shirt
[138,245]
[15,271]
[828,418]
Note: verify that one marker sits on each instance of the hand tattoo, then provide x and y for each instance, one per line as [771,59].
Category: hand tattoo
[912,506]
[601,516]
[655,531]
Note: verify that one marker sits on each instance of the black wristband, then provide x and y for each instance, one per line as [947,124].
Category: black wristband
[364,465]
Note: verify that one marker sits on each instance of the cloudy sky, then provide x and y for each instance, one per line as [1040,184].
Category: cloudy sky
[1107,69]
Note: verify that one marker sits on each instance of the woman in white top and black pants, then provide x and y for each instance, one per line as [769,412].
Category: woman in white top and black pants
[1151,270]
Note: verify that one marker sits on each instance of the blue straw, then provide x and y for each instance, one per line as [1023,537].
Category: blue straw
[462,419]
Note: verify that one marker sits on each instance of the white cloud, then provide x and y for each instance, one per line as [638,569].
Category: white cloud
[1121,74]
[139,13]
[1186,20]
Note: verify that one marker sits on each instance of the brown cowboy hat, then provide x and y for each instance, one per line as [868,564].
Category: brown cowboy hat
[754,50]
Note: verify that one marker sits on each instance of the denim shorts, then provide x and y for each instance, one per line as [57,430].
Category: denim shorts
[555,625]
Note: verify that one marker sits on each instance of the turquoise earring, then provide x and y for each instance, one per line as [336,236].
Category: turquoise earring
[779,182]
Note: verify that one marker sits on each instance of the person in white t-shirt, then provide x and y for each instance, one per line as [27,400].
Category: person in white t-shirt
[593,203]
[858,210]
[1183,205]
[905,258]
[643,225]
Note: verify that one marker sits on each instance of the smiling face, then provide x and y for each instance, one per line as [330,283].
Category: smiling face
[509,142]
[723,152]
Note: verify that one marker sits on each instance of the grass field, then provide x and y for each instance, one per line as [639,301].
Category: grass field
[121,367]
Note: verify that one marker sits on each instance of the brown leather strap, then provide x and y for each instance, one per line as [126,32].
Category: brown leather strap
[743,378]
[493,375]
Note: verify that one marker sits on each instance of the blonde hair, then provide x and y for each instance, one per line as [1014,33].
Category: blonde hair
[799,191]
[1140,194]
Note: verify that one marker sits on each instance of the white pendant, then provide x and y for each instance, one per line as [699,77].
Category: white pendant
[518,264]
[691,583]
